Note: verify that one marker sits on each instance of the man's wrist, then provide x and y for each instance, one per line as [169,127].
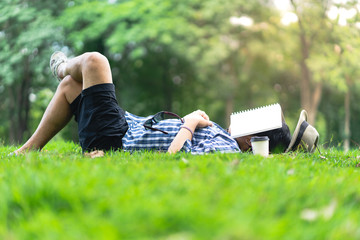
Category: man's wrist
[191,123]
[187,128]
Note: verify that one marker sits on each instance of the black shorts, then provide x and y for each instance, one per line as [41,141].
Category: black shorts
[101,122]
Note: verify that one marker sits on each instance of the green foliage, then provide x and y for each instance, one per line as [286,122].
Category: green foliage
[180,56]
[27,33]
[58,193]
[172,50]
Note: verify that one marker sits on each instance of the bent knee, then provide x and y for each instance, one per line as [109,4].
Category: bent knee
[67,81]
[94,58]
[68,84]
[70,88]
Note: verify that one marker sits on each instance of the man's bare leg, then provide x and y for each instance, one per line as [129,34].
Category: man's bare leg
[78,73]
[56,115]
[89,68]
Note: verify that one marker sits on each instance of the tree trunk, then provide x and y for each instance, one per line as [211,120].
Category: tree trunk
[347,117]
[310,98]
[167,86]
[316,98]
[24,106]
[20,106]
[305,88]
[233,74]
[12,117]
[229,108]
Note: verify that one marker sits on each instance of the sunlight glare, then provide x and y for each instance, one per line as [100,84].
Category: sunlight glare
[282,5]
[243,21]
[288,18]
[342,14]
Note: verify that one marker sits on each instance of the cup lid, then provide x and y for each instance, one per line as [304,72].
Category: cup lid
[259,138]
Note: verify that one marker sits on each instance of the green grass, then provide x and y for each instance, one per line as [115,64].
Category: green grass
[60,194]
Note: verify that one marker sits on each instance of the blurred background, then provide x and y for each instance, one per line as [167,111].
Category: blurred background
[183,55]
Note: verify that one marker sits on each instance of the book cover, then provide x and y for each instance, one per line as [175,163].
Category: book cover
[252,121]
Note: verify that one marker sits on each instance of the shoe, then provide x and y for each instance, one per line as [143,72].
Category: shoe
[56,59]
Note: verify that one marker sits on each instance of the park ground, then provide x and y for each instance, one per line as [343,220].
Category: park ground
[61,194]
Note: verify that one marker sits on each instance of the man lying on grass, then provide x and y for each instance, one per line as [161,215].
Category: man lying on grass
[86,90]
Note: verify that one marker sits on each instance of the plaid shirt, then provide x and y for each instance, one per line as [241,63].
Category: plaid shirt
[205,140]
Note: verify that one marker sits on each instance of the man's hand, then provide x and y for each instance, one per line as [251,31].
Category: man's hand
[198,118]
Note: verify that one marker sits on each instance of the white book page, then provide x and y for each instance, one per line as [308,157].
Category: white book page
[255,120]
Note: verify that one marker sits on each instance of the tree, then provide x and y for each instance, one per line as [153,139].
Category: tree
[27,32]
[335,63]
[167,50]
[311,35]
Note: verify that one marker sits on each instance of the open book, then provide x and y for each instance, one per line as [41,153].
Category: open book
[256,120]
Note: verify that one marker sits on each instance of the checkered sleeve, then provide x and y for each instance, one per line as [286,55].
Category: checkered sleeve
[209,140]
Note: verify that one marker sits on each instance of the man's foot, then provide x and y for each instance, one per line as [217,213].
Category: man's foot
[56,59]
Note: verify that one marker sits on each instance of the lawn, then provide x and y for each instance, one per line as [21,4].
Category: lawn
[60,194]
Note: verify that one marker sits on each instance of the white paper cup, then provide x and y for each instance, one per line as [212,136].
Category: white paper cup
[260,145]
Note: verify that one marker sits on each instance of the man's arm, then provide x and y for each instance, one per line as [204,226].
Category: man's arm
[193,120]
